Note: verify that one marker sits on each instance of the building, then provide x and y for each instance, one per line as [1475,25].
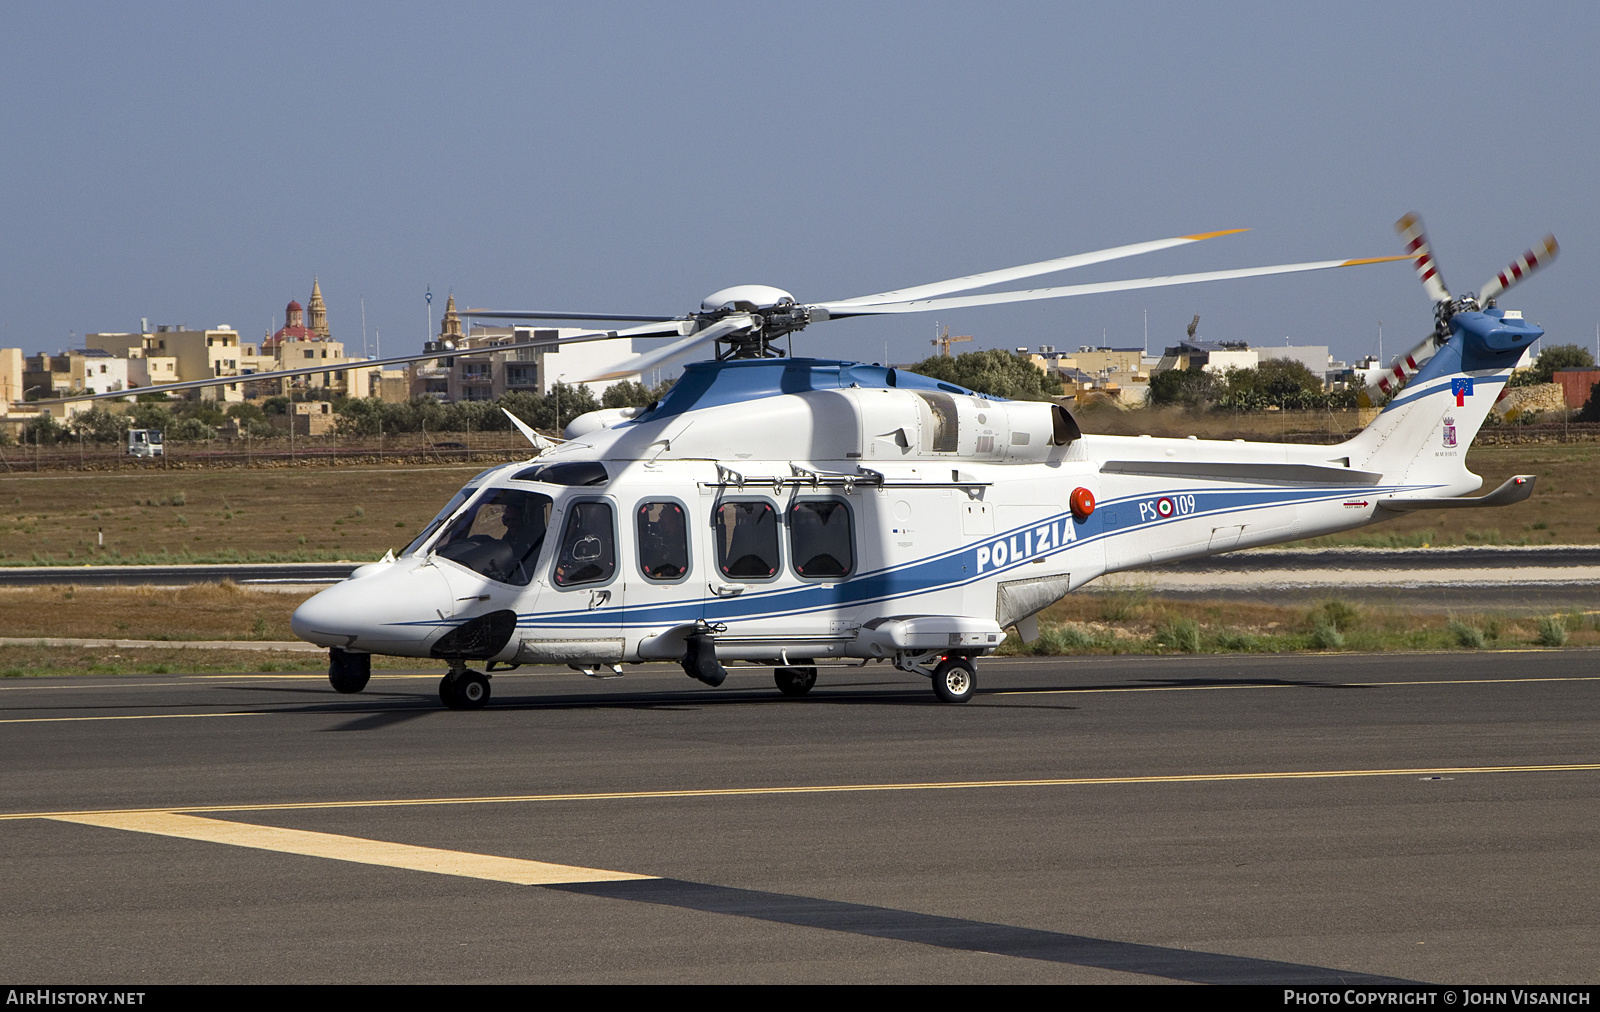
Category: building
[177,354]
[305,340]
[90,371]
[533,370]
[1577,385]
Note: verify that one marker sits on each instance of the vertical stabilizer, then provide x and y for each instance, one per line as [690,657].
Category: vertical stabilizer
[1421,437]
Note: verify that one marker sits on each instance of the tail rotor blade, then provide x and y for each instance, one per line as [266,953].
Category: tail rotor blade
[1416,240]
[1388,380]
[1520,268]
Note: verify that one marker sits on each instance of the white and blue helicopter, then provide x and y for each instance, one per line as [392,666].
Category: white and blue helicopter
[798,513]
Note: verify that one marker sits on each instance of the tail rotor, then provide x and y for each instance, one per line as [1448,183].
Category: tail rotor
[1389,378]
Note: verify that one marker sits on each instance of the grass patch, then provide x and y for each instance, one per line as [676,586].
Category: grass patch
[40,662]
[204,611]
[1076,625]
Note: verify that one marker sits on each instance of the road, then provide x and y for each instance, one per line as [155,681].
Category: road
[1330,818]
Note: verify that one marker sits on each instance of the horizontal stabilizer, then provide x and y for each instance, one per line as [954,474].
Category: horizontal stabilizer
[1512,490]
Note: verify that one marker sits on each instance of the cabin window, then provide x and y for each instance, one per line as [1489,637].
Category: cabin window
[946,422]
[499,536]
[588,546]
[819,538]
[747,540]
[663,531]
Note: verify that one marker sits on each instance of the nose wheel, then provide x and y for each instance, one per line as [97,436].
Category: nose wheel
[464,690]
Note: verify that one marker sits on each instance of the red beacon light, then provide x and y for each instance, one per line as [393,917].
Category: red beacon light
[1082,503]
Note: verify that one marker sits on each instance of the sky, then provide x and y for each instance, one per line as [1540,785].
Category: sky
[200,163]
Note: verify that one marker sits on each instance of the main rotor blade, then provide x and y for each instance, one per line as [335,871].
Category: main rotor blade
[492,314]
[661,356]
[998,298]
[1416,240]
[1520,268]
[988,278]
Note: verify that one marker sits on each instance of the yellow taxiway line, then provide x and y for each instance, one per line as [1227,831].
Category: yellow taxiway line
[725,792]
[335,847]
[140,716]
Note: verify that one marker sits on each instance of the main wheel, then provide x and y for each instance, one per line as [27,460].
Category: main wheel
[794,681]
[448,693]
[472,690]
[954,680]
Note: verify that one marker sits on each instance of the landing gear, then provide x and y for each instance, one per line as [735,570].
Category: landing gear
[464,690]
[700,656]
[954,679]
[348,672]
[794,681]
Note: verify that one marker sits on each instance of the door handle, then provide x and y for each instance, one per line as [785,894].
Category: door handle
[728,589]
[598,597]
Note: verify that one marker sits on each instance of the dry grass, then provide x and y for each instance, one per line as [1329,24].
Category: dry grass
[206,611]
[1133,622]
[36,661]
[301,514]
[357,513]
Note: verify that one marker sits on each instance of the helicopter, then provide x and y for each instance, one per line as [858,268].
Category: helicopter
[800,513]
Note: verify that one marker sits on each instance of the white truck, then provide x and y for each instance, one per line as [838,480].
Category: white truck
[145,443]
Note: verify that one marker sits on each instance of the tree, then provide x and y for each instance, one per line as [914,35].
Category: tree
[629,394]
[1558,357]
[1185,388]
[99,425]
[995,372]
[190,430]
[148,415]
[44,429]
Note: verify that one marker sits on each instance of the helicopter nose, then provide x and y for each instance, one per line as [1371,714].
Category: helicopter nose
[392,609]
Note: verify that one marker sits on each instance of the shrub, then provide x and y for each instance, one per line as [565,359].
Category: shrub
[1325,635]
[1553,631]
[1179,634]
[1469,636]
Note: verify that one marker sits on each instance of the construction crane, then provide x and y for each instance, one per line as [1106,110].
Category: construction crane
[944,341]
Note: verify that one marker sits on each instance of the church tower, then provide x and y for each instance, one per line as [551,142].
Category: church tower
[318,310]
[450,326]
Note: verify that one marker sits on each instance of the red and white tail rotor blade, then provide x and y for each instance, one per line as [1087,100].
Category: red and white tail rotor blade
[1391,378]
[1416,240]
[1520,268]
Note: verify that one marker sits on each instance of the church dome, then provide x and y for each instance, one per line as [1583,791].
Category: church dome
[294,307]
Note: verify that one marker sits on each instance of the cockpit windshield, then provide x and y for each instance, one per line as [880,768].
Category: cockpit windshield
[499,536]
[439,518]
[467,491]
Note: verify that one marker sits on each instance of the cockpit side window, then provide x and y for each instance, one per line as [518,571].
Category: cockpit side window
[588,546]
[747,539]
[499,536]
[663,531]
